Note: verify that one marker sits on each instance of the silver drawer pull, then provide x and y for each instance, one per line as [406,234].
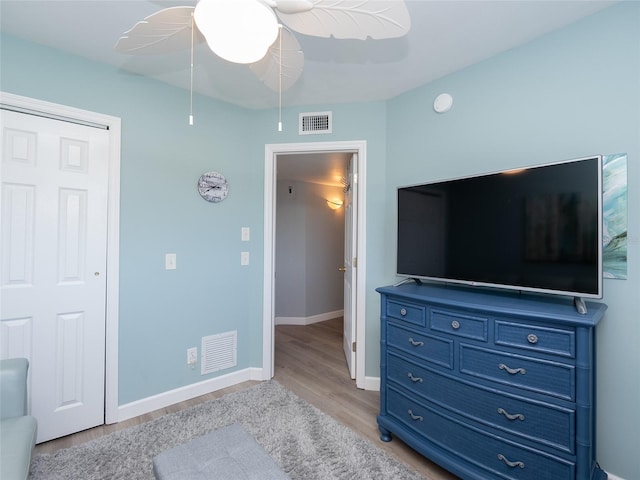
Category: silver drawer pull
[533,339]
[512,371]
[517,416]
[455,325]
[414,379]
[403,311]
[414,343]
[510,464]
[415,417]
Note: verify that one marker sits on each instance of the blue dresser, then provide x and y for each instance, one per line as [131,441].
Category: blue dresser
[490,384]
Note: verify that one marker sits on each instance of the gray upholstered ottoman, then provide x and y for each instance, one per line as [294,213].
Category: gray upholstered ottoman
[229,453]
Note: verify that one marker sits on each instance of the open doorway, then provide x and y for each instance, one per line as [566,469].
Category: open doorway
[347,152]
[310,228]
[310,241]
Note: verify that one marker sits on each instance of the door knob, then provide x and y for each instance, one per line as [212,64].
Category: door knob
[342,269]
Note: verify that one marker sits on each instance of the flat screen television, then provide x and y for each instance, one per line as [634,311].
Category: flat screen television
[536,229]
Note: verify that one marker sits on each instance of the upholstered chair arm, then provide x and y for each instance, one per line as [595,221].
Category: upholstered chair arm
[13,387]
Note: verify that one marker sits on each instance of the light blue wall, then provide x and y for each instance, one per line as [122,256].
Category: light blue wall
[358,121]
[162,313]
[570,94]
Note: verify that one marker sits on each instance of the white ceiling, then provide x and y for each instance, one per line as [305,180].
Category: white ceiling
[445,36]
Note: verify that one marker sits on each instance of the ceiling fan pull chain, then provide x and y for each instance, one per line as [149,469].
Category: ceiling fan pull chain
[280,79]
[191,73]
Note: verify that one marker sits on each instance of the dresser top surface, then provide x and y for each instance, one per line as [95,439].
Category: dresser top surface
[542,307]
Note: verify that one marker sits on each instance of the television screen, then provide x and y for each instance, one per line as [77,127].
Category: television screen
[535,229]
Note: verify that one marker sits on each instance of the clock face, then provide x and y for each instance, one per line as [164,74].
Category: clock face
[213,187]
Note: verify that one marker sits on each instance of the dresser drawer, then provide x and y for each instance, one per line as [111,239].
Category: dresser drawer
[407,312]
[549,425]
[551,378]
[555,341]
[432,349]
[459,324]
[498,457]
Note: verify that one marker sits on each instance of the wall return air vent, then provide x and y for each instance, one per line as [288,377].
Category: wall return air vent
[219,352]
[314,123]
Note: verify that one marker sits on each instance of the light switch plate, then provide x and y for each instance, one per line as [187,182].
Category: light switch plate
[170,261]
[244,258]
[245,234]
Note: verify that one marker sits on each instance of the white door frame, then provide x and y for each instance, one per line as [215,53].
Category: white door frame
[271,152]
[63,112]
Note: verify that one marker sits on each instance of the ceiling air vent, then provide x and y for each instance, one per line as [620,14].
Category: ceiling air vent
[313,123]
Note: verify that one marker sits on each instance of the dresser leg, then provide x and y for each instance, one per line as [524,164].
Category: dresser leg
[599,474]
[385,435]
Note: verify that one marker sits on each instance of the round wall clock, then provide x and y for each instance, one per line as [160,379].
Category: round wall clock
[213,187]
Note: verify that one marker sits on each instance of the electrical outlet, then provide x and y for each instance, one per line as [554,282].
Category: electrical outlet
[192,356]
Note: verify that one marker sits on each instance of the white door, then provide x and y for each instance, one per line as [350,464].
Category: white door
[350,263]
[54,231]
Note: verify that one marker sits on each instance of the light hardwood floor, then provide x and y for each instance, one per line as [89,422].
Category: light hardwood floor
[310,362]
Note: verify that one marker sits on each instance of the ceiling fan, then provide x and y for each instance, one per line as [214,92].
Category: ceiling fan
[249,31]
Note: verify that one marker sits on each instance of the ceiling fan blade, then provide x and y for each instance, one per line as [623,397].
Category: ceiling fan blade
[268,69]
[166,31]
[353,19]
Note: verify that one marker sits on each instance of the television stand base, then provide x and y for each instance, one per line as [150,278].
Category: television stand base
[581,308]
[407,280]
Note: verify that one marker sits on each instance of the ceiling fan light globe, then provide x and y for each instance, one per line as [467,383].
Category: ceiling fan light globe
[293,6]
[239,31]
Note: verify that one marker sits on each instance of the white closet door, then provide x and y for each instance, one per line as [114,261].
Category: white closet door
[54,230]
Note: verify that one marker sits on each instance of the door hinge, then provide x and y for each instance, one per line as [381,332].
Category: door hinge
[355,262]
[353,347]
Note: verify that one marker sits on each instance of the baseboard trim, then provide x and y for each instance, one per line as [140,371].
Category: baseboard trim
[611,476]
[171,397]
[308,320]
[372,383]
